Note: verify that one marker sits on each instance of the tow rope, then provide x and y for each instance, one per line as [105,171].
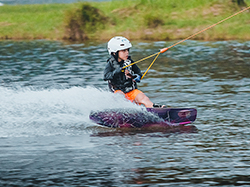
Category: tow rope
[191,36]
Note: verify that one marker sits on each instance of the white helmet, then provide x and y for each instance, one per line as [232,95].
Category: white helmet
[118,43]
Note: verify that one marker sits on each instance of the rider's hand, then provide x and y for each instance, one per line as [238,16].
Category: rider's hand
[137,78]
[127,74]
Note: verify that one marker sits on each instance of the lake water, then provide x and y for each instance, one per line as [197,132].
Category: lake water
[48,89]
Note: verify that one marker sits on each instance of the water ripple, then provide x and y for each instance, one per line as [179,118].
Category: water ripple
[48,89]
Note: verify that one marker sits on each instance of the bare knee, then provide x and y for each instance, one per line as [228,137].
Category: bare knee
[141,98]
[119,92]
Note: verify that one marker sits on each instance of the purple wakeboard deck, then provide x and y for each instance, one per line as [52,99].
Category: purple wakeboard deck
[175,115]
[152,117]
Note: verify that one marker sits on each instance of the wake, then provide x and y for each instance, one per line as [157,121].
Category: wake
[32,112]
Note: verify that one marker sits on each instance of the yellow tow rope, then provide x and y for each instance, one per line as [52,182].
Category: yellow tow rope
[167,48]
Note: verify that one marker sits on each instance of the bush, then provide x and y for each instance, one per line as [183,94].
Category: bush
[153,21]
[82,21]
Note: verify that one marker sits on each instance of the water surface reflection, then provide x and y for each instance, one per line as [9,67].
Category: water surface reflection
[48,89]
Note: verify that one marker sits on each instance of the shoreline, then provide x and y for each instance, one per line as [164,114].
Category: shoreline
[131,19]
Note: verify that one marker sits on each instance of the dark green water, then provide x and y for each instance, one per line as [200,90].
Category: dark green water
[47,90]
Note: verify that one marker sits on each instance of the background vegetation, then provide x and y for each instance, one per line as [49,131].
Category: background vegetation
[135,19]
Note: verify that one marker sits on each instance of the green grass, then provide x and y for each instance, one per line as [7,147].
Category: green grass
[32,21]
[180,19]
[135,19]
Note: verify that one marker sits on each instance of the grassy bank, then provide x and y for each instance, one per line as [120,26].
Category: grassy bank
[135,19]
[32,21]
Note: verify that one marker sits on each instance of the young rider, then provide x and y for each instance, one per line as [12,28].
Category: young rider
[124,81]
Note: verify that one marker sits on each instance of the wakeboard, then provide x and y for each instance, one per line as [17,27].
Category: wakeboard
[139,118]
[175,115]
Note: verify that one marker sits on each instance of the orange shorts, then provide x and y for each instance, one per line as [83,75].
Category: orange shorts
[130,95]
